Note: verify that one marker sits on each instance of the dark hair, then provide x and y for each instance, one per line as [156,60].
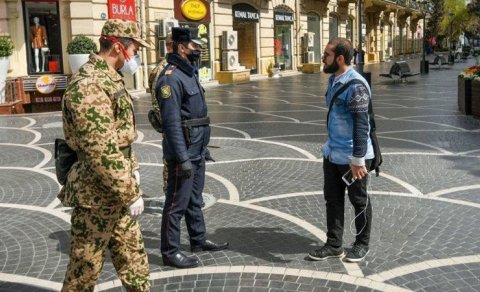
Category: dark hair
[107,43]
[343,47]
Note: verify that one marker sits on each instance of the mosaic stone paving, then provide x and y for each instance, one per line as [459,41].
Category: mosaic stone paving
[266,193]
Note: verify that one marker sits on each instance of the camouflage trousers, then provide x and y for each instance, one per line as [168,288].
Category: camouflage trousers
[95,230]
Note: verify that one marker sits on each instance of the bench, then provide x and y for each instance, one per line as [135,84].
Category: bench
[400,69]
[462,56]
[438,61]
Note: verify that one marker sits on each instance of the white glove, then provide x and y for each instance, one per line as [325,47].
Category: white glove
[136,208]
[136,174]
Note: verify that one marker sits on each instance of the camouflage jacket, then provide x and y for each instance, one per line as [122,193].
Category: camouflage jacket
[152,83]
[98,121]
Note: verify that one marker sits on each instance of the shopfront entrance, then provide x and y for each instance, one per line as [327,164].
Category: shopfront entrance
[283,20]
[42,37]
[245,21]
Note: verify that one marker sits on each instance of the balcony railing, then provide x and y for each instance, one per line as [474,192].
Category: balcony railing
[406,3]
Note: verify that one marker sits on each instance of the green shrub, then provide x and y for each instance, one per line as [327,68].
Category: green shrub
[6,46]
[81,45]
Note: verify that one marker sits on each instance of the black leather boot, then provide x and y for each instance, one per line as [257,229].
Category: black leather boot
[209,246]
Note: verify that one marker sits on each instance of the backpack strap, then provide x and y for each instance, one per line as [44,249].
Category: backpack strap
[340,91]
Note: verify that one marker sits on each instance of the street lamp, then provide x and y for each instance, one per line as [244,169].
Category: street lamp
[423,63]
[451,56]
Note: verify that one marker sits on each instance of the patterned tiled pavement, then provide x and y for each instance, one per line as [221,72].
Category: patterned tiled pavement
[265,193]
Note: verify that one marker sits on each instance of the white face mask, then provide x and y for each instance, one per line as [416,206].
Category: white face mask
[131,66]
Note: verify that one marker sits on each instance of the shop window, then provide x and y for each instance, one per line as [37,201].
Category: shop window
[204,64]
[42,37]
[282,43]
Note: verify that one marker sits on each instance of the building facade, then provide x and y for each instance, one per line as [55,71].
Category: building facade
[284,33]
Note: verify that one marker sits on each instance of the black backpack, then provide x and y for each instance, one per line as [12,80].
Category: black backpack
[377,161]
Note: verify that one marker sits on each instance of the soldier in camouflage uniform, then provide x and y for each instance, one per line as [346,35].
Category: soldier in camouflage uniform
[103,185]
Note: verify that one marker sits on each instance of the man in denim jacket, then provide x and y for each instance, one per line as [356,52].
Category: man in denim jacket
[348,147]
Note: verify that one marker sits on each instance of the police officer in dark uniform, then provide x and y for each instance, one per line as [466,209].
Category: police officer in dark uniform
[186,134]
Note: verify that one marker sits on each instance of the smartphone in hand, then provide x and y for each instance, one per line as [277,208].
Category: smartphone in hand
[348,178]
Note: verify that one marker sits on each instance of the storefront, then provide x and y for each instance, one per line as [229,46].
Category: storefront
[36,81]
[196,13]
[42,37]
[283,39]
[245,22]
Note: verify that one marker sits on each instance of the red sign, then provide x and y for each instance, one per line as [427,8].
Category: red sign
[122,9]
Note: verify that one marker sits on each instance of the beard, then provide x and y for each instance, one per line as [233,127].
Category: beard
[331,68]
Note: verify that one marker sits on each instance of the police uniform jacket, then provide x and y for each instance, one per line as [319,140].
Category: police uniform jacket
[98,124]
[181,97]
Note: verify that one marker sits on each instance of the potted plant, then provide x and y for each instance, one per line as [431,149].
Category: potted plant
[469,91]
[78,51]
[6,49]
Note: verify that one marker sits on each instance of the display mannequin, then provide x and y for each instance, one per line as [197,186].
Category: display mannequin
[38,36]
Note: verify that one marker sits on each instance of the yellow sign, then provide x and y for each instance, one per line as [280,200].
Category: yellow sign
[46,84]
[194,9]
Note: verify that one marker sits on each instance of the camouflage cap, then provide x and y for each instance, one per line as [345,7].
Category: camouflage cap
[124,29]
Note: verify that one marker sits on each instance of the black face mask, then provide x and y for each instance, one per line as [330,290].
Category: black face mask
[194,55]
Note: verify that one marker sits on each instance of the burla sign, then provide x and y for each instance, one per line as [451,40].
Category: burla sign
[122,9]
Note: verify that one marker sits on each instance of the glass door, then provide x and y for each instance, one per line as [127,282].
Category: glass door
[283,46]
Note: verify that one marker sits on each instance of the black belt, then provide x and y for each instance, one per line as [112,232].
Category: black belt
[196,122]
[127,153]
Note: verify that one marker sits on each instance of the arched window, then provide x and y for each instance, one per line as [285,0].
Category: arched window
[349,29]
[314,26]
[333,26]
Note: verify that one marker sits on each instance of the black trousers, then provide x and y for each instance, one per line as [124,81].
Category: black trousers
[334,193]
[183,197]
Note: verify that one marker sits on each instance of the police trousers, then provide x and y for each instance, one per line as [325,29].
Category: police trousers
[183,198]
[334,193]
[95,230]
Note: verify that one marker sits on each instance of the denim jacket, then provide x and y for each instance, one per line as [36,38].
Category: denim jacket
[348,125]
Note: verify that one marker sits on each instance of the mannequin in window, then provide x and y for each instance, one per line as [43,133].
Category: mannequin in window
[38,36]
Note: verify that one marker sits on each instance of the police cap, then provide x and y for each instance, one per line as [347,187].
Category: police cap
[186,34]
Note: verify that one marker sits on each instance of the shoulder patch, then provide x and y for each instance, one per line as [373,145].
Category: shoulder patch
[170,70]
[166,91]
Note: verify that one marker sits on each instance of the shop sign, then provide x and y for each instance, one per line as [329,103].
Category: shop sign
[194,9]
[245,12]
[122,9]
[46,84]
[283,16]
